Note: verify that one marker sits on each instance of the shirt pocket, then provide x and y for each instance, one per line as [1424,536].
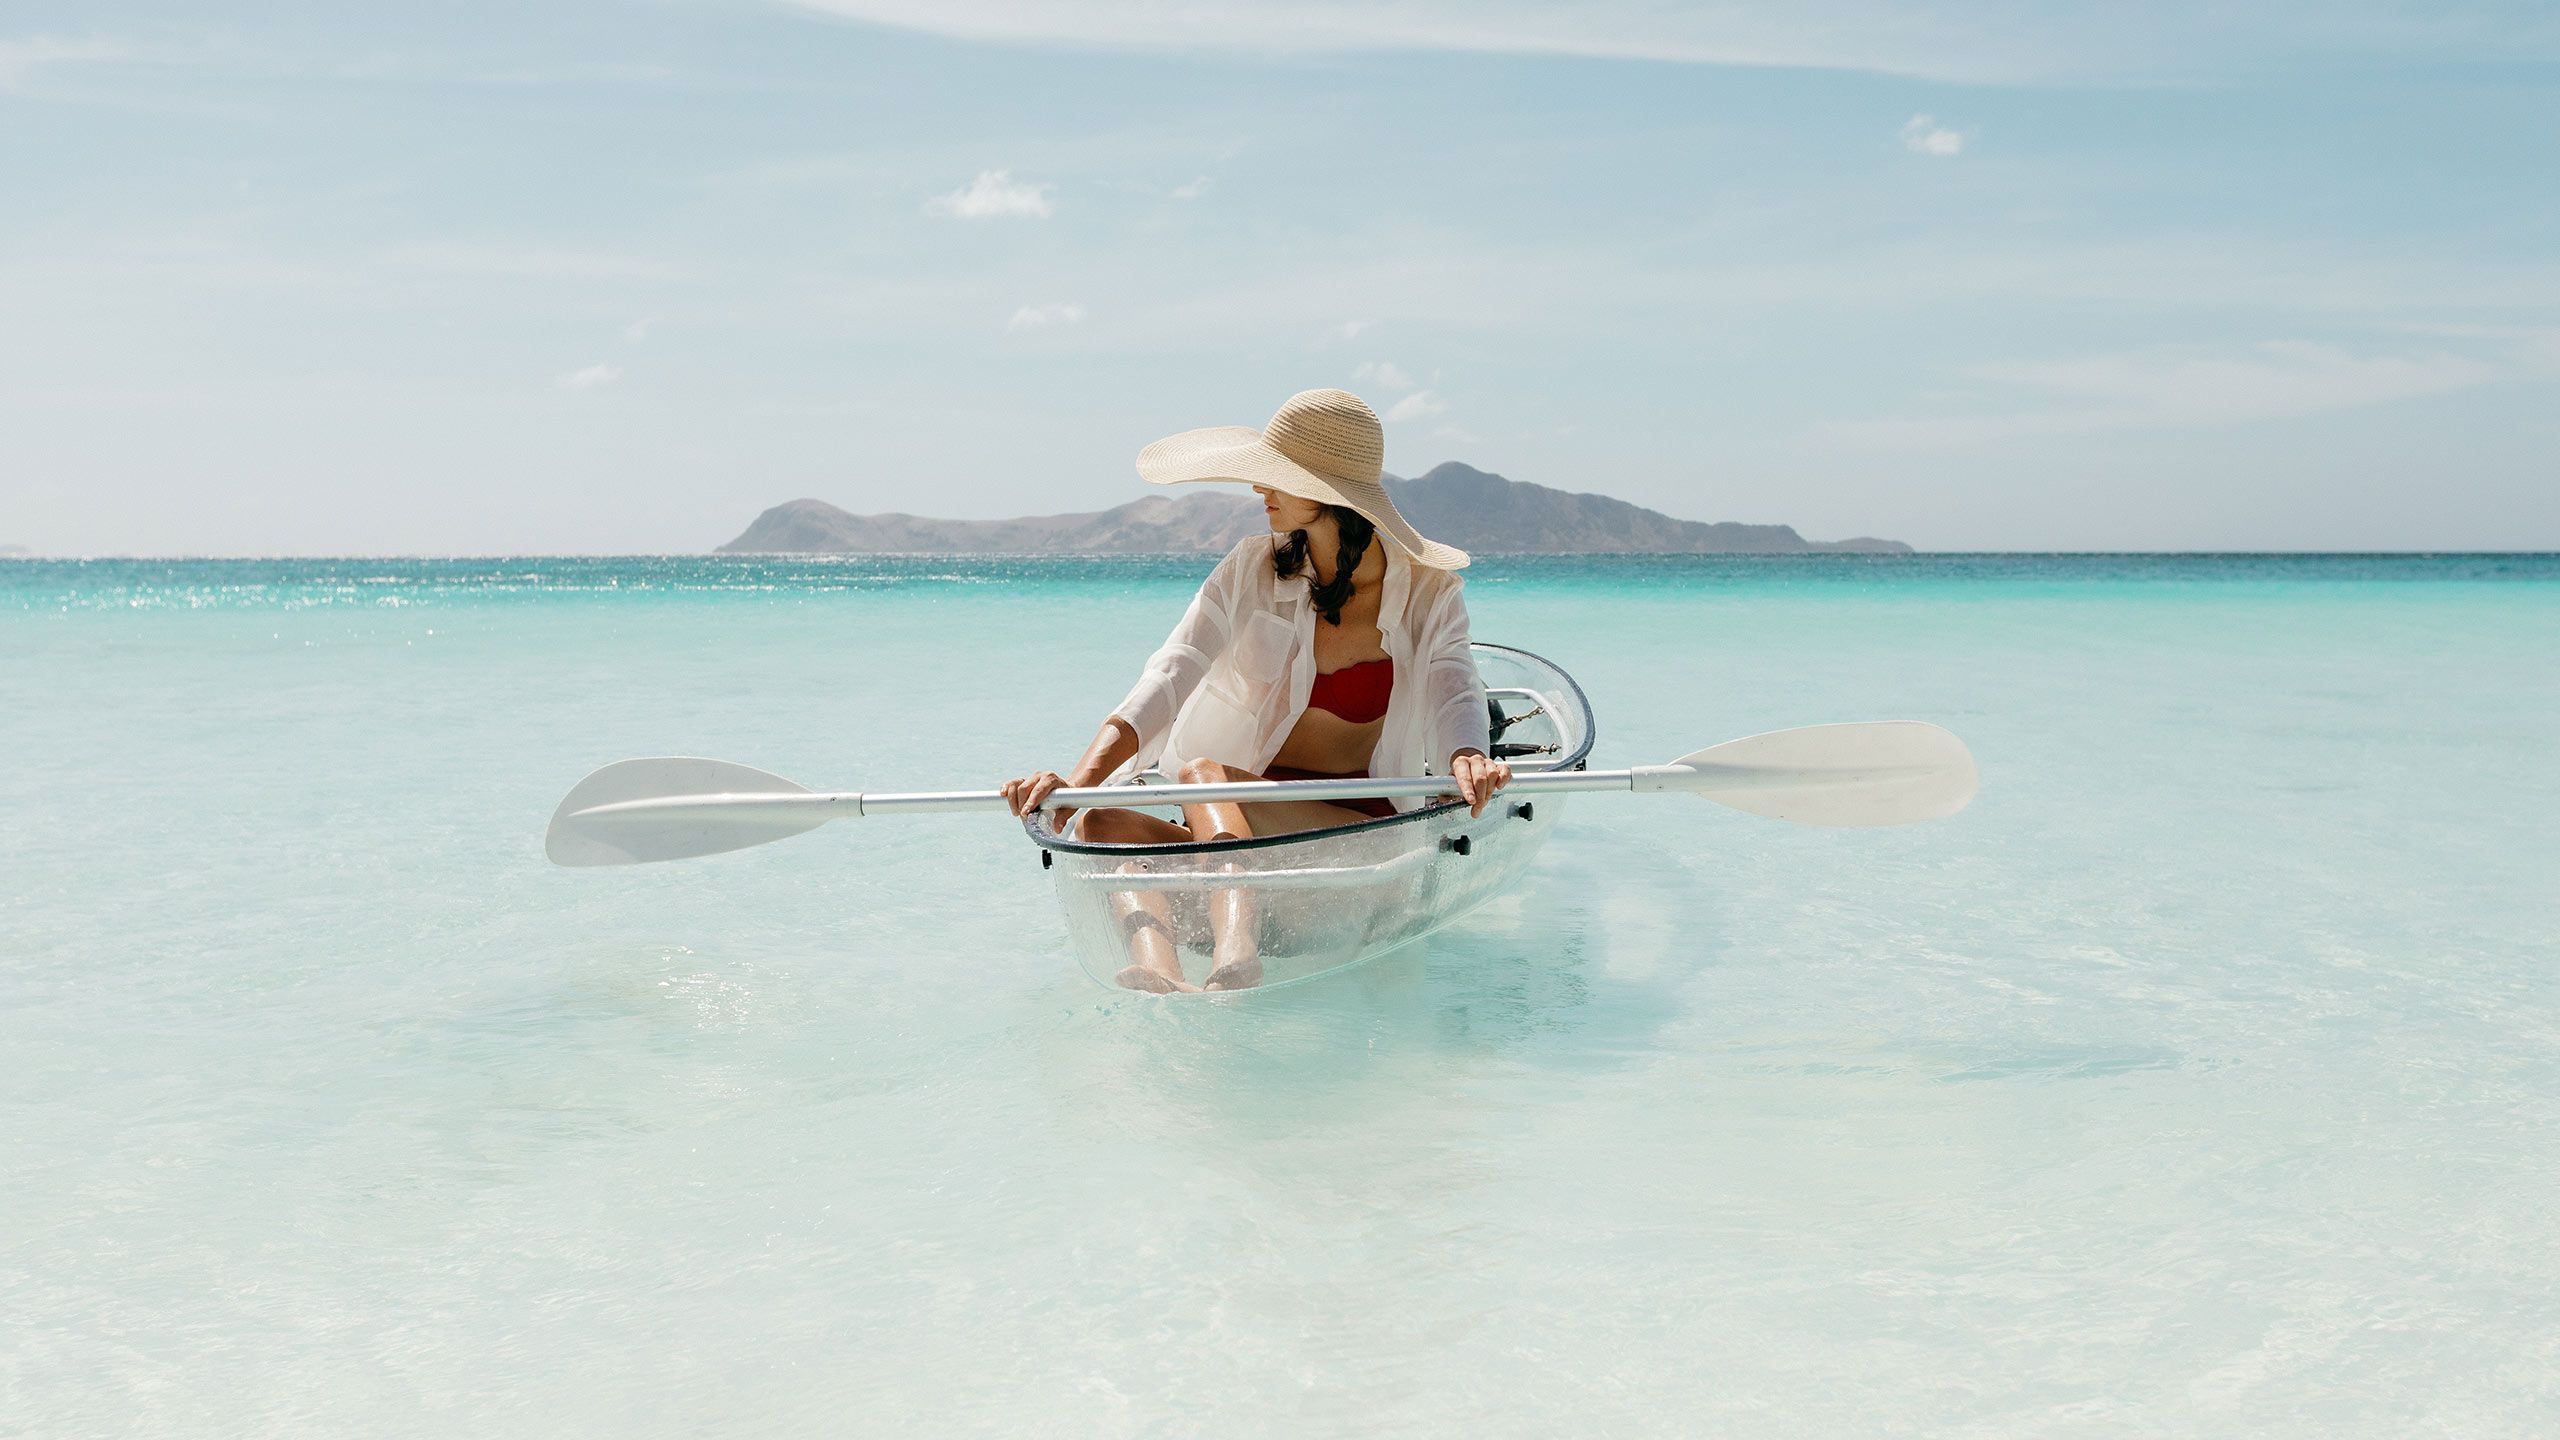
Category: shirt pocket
[1264,649]
[1245,694]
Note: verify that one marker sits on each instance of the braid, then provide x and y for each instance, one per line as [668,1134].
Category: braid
[1291,555]
[1356,533]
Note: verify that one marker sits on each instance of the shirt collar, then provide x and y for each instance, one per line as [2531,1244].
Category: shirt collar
[1399,584]
[1282,591]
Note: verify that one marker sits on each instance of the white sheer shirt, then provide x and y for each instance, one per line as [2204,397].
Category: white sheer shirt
[1232,679]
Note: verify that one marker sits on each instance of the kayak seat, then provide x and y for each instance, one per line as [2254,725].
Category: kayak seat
[1497,721]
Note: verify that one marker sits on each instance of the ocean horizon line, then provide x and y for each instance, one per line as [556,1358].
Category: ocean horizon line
[839,557]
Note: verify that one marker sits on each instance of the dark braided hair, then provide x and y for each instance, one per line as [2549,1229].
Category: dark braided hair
[1291,556]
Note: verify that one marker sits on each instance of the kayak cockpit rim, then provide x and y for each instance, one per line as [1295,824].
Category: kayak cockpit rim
[1036,824]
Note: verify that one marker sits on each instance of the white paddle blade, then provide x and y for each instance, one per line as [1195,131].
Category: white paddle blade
[633,839]
[1882,772]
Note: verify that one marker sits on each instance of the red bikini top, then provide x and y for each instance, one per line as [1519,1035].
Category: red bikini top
[1357,693]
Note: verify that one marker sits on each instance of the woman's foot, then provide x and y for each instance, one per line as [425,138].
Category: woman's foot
[1236,975]
[1139,977]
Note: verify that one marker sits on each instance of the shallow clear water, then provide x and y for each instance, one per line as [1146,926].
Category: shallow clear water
[2202,1078]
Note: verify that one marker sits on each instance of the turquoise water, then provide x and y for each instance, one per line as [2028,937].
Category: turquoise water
[2202,1078]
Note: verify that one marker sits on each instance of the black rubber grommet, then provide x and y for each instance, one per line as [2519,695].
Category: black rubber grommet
[1463,844]
[1526,810]
[1047,859]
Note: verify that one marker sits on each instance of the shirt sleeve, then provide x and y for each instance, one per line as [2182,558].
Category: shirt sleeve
[1452,690]
[1177,667]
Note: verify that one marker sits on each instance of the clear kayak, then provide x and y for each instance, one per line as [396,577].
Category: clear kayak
[1325,899]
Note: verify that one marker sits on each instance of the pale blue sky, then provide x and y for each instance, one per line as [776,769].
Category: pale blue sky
[304,278]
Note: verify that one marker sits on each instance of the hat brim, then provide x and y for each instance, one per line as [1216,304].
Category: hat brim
[1239,455]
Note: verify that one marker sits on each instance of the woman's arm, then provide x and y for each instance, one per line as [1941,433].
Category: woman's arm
[1179,665]
[1116,742]
[1454,693]
[1142,719]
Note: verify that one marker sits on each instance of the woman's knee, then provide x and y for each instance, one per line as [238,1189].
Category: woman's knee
[1211,772]
[1107,826]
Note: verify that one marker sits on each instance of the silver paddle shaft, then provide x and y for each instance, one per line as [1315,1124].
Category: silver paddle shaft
[849,804]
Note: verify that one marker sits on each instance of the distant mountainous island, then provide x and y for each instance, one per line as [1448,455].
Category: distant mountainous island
[1455,503]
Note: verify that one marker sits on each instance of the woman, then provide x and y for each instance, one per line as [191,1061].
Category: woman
[1336,645]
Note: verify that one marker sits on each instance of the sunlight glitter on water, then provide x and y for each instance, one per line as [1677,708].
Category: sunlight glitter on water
[2198,1079]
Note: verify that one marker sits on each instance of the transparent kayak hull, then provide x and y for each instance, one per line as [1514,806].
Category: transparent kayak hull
[1325,899]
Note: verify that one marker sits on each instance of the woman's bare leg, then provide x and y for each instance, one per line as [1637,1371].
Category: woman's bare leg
[1145,917]
[1235,920]
[1294,817]
[1222,821]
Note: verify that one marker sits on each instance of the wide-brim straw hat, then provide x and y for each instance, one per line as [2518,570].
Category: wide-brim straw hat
[1324,445]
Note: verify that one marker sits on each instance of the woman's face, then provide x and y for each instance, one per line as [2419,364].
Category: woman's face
[1285,511]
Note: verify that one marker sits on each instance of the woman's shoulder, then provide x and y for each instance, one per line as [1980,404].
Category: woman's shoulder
[1251,554]
[1435,601]
[1429,584]
[1243,571]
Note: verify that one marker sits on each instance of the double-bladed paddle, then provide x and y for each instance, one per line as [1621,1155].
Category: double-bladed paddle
[1885,772]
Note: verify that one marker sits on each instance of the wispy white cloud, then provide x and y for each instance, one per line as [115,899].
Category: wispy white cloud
[19,57]
[1383,372]
[2152,391]
[1192,190]
[637,331]
[1349,329]
[1922,135]
[1420,405]
[993,194]
[1883,37]
[1037,317]
[1969,40]
[589,378]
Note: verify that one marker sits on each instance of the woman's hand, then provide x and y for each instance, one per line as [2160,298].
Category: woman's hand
[1117,741]
[1478,778]
[1026,794]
